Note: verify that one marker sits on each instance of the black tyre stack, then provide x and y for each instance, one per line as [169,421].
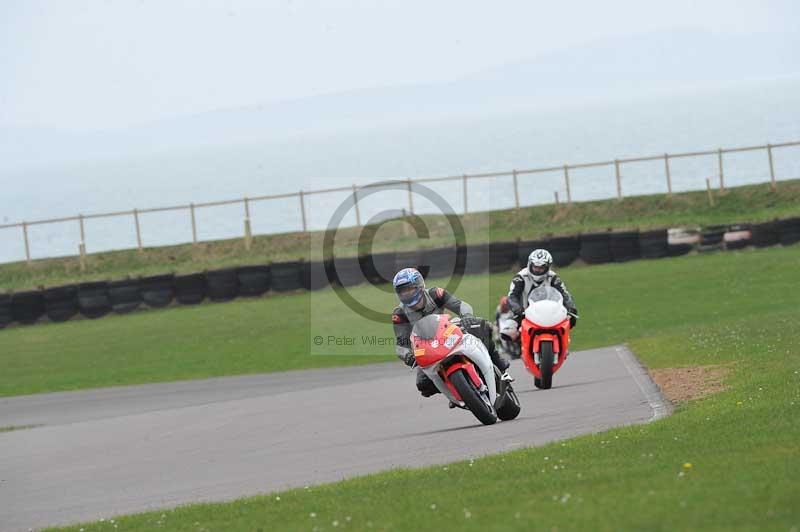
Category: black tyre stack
[596,248]
[254,281]
[625,246]
[287,276]
[157,291]
[789,231]
[124,295]
[93,299]
[61,302]
[653,244]
[764,234]
[5,311]
[190,289]
[27,307]
[565,249]
[503,256]
[223,285]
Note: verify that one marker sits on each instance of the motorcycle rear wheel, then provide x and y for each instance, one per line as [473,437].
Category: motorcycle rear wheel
[472,398]
[510,408]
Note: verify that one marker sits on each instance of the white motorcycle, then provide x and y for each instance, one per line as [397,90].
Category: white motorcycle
[461,368]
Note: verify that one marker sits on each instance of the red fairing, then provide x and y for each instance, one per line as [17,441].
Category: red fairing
[429,352]
[531,337]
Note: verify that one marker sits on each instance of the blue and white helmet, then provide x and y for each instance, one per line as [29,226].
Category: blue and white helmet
[409,286]
[539,262]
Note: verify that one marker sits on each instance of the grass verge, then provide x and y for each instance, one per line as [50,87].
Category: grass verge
[753,203]
[618,303]
[726,462]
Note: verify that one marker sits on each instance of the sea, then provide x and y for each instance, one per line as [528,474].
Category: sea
[755,113]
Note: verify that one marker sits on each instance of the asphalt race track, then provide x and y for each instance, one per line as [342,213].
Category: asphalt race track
[106,452]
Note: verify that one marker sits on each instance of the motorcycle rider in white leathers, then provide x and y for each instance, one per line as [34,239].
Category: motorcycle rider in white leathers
[533,276]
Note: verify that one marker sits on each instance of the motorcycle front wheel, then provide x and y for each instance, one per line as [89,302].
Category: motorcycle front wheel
[477,404]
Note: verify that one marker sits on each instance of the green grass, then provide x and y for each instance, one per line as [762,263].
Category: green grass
[752,203]
[618,303]
[735,308]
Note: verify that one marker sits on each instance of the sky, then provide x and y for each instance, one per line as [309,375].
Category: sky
[101,64]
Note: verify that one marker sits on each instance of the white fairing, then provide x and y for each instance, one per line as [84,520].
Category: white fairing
[509,327]
[472,348]
[545,307]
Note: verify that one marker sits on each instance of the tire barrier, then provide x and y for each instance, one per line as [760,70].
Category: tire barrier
[502,256]
[712,238]
[477,259]
[5,310]
[379,268]
[596,248]
[625,246]
[254,281]
[789,231]
[124,295]
[223,285]
[27,307]
[764,234]
[286,276]
[653,244]
[190,289]
[441,262]
[157,291]
[93,299]
[96,299]
[681,241]
[412,259]
[314,276]
[348,271]
[524,248]
[564,249]
[61,302]
[737,237]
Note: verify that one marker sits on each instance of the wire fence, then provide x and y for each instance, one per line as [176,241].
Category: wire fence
[300,196]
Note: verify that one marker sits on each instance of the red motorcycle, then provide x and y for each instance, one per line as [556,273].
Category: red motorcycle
[545,335]
[461,368]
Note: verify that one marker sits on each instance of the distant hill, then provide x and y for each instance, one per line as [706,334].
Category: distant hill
[612,68]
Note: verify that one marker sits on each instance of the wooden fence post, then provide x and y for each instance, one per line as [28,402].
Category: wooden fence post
[619,181]
[710,195]
[516,191]
[669,176]
[138,230]
[301,194]
[27,245]
[566,182]
[721,172]
[194,224]
[82,245]
[248,235]
[555,193]
[771,168]
[355,202]
[410,197]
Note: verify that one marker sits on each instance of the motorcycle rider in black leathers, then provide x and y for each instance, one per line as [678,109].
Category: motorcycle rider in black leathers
[416,302]
[534,275]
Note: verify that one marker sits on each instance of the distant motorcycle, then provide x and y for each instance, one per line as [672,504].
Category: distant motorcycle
[545,335]
[461,368]
[507,336]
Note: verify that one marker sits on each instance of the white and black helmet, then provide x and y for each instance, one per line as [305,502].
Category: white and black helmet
[539,262]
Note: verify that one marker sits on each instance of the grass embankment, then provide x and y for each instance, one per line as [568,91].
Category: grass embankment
[727,462]
[618,303]
[753,203]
